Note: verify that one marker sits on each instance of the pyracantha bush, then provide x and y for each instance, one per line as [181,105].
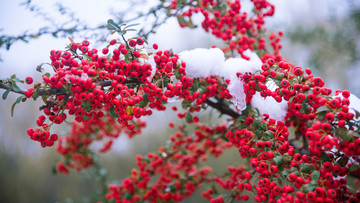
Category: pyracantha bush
[301,139]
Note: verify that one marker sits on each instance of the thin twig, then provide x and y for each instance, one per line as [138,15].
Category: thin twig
[223,108]
[4,86]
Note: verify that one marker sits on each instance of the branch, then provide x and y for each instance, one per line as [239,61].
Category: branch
[128,47]
[354,174]
[6,87]
[51,91]
[223,108]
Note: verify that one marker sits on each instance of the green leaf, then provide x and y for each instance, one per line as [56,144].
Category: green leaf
[263,126]
[127,30]
[113,25]
[18,100]
[145,101]
[285,173]
[343,134]
[324,156]
[181,2]
[315,175]
[172,188]
[39,68]
[131,25]
[312,185]
[307,168]
[15,88]
[188,117]
[146,42]
[354,167]
[185,104]
[127,195]
[278,160]
[323,108]
[54,171]
[182,20]
[305,107]
[183,152]
[86,105]
[190,177]
[113,112]
[268,135]
[257,122]
[86,118]
[356,135]
[195,85]
[5,94]
[15,79]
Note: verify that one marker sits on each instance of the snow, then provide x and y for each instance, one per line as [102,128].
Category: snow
[270,106]
[236,89]
[354,104]
[271,85]
[202,63]
[238,65]
[234,65]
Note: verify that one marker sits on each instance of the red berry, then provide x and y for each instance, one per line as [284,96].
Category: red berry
[270,61]
[140,41]
[105,50]
[85,43]
[74,46]
[28,80]
[132,43]
[155,46]
[112,42]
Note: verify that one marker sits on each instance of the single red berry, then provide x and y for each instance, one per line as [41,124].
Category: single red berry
[248,175]
[346,94]
[155,46]
[137,54]
[85,43]
[270,61]
[285,83]
[272,74]
[54,137]
[105,50]
[74,46]
[140,41]
[132,43]
[123,51]
[28,80]
[292,177]
[265,67]
[329,116]
[112,42]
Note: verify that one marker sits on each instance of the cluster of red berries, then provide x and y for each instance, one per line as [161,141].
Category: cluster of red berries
[239,29]
[75,146]
[175,166]
[88,85]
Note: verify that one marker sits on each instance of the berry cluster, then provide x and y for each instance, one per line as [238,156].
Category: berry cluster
[239,29]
